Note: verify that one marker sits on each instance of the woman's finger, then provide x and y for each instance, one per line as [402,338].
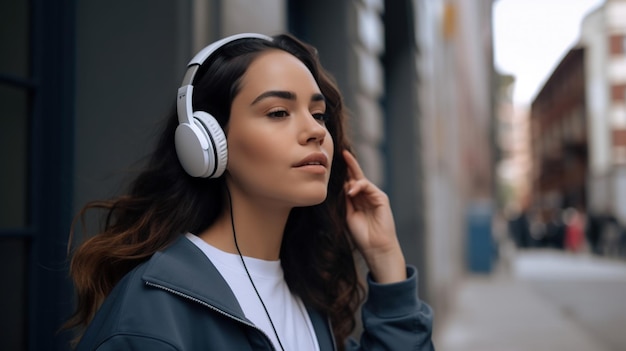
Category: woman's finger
[357,186]
[349,206]
[354,170]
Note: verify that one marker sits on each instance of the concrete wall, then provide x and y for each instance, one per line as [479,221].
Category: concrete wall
[129,60]
[444,199]
[263,16]
[455,92]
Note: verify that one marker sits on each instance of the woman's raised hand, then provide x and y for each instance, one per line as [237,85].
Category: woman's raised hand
[371,223]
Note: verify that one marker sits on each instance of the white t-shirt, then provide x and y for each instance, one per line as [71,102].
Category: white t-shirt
[287,311]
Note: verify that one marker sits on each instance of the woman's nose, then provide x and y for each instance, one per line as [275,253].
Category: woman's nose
[313,130]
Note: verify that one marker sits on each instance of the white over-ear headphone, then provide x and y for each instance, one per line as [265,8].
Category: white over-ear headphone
[200,141]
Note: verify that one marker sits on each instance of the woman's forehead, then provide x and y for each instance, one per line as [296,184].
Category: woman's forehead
[281,71]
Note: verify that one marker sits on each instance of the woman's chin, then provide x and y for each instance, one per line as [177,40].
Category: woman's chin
[311,200]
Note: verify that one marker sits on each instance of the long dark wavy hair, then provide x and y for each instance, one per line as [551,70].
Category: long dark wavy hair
[163,202]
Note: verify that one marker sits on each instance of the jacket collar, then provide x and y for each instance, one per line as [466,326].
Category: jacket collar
[184,268]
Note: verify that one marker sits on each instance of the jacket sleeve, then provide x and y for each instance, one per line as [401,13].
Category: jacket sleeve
[394,318]
[135,343]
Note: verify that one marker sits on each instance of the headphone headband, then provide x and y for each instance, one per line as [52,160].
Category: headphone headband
[185,92]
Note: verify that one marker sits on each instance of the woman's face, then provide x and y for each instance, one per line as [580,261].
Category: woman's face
[279,150]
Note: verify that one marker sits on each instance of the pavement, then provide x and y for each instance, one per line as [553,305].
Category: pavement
[513,310]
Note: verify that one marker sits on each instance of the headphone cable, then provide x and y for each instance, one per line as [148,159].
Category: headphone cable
[232,223]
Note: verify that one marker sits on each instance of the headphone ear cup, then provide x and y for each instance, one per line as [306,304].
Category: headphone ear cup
[192,145]
[217,154]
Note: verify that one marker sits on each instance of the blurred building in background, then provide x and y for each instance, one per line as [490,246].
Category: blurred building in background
[603,36]
[558,142]
[578,136]
[88,82]
[559,139]
[457,102]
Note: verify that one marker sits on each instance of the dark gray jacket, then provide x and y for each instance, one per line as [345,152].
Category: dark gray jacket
[177,300]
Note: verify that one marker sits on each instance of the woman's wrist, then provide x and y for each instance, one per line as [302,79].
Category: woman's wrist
[387,267]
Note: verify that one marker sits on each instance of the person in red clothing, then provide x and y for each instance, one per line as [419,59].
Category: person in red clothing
[574,230]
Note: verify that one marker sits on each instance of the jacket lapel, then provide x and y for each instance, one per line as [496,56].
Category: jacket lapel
[321,325]
[183,267]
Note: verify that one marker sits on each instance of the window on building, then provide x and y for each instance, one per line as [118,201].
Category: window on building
[15,100]
[617,44]
[618,92]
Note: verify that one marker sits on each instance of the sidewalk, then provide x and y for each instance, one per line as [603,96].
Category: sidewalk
[501,312]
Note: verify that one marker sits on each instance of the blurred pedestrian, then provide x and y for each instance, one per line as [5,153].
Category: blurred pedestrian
[555,230]
[611,237]
[593,231]
[537,229]
[574,230]
[239,233]
[519,228]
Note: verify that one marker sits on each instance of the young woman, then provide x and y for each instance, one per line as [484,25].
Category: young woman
[239,234]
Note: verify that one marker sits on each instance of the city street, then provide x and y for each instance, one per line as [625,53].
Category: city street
[546,300]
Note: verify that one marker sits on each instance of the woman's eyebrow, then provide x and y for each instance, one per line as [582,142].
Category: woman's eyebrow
[288,95]
[318,97]
[275,93]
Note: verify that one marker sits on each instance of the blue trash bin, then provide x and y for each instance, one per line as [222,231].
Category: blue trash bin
[479,244]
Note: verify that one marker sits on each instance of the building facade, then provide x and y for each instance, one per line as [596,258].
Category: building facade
[559,138]
[456,118]
[603,35]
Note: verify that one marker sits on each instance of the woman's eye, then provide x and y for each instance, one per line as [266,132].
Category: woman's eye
[278,114]
[322,117]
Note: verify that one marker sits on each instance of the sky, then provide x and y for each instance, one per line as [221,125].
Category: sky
[532,36]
